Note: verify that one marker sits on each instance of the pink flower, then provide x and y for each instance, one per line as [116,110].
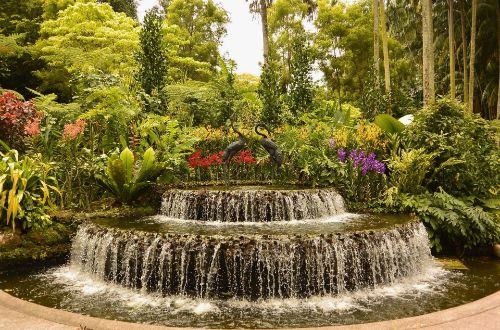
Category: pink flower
[71,131]
[32,128]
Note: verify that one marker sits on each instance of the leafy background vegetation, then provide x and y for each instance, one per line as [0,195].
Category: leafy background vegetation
[95,104]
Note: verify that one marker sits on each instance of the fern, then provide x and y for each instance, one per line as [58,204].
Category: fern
[459,221]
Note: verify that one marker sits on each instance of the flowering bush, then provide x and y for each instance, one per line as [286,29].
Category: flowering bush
[208,168]
[18,119]
[362,176]
[244,157]
[33,128]
[359,158]
[196,160]
[71,131]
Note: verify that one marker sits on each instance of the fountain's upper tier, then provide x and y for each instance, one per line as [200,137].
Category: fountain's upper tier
[251,204]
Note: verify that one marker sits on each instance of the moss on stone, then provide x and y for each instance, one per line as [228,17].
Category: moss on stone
[54,242]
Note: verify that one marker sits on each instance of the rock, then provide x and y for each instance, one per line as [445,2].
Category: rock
[496,250]
[9,240]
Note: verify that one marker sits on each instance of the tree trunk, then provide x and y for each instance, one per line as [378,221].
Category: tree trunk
[428,53]
[451,45]
[472,57]
[376,45]
[385,48]
[464,55]
[265,28]
[498,60]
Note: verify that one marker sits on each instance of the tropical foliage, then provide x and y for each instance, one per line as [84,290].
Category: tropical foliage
[126,178]
[81,80]
[26,191]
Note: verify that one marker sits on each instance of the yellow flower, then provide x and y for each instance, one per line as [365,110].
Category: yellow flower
[370,135]
[341,137]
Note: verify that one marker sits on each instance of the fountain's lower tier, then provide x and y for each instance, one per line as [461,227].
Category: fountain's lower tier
[223,260]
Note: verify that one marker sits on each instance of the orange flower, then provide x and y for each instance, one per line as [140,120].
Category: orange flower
[71,131]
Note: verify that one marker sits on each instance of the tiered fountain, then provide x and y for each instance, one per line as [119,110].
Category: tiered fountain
[252,243]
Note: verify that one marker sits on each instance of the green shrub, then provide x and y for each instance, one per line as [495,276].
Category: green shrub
[126,179]
[26,191]
[466,155]
[408,170]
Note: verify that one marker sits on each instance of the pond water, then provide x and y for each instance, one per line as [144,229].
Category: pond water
[435,289]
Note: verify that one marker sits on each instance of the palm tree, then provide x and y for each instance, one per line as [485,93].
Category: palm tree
[385,49]
[451,45]
[464,53]
[472,56]
[428,53]
[498,59]
[260,7]
[376,45]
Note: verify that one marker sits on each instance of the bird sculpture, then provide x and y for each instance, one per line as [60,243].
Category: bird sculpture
[271,147]
[231,150]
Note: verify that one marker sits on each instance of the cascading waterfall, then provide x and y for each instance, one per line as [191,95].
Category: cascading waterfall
[230,263]
[251,205]
[251,267]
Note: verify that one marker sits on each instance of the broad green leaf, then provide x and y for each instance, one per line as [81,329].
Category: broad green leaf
[389,124]
[147,166]
[127,158]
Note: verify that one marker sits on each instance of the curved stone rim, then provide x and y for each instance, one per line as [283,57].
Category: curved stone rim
[250,187]
[412,219]
[480,313]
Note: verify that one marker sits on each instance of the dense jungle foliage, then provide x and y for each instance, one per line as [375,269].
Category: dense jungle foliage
[95,104]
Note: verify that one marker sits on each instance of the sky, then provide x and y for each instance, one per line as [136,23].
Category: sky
[243,42]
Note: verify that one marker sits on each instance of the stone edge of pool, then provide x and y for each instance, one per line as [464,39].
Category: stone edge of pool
[16,313]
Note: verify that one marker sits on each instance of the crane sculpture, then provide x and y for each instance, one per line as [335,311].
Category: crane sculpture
[232,149]
[271,147]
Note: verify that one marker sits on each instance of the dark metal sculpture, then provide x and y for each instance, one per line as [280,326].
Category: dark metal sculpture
[232,149]
[272,148]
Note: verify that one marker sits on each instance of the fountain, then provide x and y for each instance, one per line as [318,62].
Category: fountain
[252,243]
[252,257]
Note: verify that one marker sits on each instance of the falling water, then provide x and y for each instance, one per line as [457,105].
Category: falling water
[251,266]
[251,205]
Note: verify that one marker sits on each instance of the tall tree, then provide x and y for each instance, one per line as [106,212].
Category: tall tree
[428,53]
[465,83]
[376,40]
[129,7]
[106,47]
[195,31]
[498,59]
[301,88]
[472,57]
[451,46]
[152,60]
[270,93]
[385,49]
[261,7]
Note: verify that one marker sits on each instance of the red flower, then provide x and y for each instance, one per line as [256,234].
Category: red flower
[244,156]
[195,160]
